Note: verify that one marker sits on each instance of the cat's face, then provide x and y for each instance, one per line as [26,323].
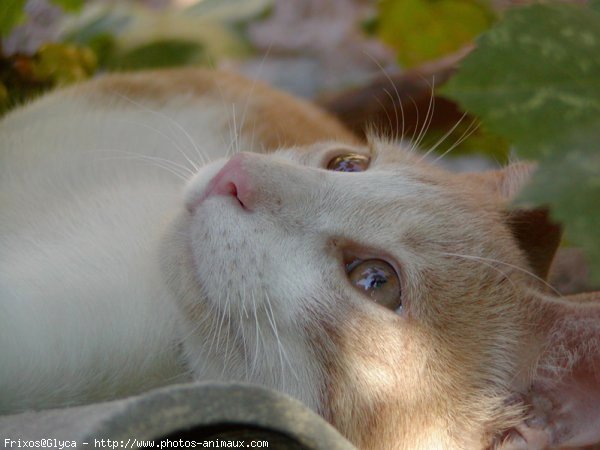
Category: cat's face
[361,281]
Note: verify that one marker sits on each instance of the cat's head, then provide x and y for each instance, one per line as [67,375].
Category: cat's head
[400,301]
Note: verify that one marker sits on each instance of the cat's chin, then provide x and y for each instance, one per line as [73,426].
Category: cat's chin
[237,323]
[177,252]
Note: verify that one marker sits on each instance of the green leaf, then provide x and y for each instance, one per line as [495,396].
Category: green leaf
[422,30]
[569,182]
[69,5]
[162,53]
[534,75]
[11,14]
[535,79]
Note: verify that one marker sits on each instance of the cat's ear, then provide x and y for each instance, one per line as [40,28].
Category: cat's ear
[563,399]
[511,180]
[504,184]
[535,232]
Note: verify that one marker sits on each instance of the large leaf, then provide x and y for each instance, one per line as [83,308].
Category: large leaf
[11,14]
[422,30]
[536,75]
[535,79]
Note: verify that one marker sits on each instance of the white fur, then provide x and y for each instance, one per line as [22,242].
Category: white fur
[84,312]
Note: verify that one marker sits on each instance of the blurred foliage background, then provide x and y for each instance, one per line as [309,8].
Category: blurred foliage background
[530,88]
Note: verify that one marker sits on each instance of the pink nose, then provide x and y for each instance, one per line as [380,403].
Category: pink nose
[232,181]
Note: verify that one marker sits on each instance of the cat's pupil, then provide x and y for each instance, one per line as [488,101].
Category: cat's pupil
[349,163]
[374,278]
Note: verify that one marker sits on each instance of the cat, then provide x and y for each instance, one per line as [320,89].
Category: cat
[188,224]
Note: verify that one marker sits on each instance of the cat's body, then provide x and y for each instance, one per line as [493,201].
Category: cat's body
[117,275]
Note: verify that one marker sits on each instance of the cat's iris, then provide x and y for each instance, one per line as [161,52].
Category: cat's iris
[350,162]
[378,280]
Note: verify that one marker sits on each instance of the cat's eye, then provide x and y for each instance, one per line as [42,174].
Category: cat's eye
[349,162]
[378,280]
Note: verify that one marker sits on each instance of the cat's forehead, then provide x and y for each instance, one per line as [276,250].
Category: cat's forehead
[396,175]
[399,199]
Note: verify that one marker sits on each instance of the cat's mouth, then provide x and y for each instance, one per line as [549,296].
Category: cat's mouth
[224,238]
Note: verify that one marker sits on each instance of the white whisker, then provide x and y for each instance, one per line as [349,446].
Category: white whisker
[387,114]
[166,136]
[251,91]
[134,155]
[395,133]
[466,134]
[282,353]
[512,266]
[227,356]
[236,135]
[444,137]
[241,331]
[428,118]
[203,157]
[258,337]
[155,163]
[244,310]
[397,95]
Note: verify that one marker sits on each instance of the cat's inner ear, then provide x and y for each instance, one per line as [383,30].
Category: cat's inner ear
[537,236]
[563,398]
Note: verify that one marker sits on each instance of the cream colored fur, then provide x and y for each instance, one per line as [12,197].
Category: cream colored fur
[111,283]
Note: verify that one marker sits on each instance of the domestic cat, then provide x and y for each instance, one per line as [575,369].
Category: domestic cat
[191,225]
